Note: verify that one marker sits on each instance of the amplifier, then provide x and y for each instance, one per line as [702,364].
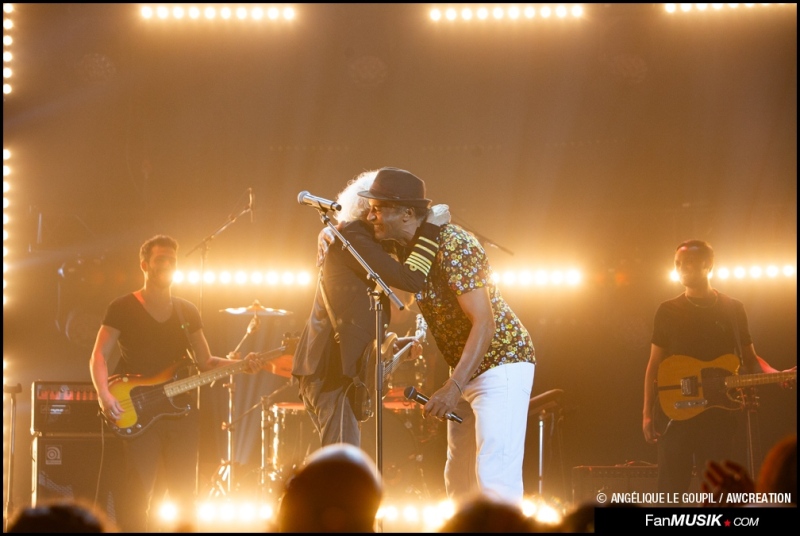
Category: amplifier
[588,481]
[88,468]
[64,408]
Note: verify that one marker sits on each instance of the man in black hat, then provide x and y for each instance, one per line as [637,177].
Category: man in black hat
[330,356]
[489,351]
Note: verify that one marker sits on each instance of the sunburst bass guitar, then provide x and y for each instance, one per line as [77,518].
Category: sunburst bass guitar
[147,399]
[687,386]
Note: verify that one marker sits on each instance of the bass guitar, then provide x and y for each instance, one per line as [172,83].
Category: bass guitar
[363,406]
[687,386]
[145,400]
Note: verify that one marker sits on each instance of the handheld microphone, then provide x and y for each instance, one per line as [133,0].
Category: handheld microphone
[250,204]
[305,198]
[412,394]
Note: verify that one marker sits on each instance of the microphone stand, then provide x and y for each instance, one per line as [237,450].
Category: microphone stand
[204,245]
[379,332]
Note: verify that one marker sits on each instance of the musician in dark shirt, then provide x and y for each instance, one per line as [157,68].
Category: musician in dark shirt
[160,336]
[705,325]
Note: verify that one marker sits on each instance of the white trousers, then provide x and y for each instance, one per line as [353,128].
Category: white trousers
[485,452]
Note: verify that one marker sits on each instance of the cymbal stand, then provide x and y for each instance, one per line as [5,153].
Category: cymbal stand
[225,473]
[267,469]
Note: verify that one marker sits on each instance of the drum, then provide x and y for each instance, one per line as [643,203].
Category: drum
[293,438]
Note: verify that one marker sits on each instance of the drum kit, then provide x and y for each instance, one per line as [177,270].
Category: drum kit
[288,435]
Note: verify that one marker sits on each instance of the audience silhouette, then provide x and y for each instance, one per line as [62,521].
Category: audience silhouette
[61,516]
[337,489]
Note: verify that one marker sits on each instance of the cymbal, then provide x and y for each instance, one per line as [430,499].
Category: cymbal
[257,309]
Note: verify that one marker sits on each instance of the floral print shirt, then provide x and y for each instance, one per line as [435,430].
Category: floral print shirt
[461,266]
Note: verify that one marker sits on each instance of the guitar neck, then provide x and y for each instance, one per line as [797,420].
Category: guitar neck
[749,380]
[198,380]
[390,365]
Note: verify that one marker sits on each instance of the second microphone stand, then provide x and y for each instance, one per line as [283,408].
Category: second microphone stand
[380,288]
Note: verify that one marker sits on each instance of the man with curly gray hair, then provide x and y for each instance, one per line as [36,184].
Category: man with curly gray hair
[331,352]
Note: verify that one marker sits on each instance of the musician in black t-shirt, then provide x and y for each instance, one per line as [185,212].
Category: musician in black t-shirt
[156,333]
[701,325]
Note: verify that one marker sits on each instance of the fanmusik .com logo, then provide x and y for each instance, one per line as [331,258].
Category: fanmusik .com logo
[698,520]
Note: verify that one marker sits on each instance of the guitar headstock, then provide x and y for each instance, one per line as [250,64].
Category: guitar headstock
[289,343]
[422,328]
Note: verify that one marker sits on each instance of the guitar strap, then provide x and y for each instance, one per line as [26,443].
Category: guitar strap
[728,307]
[331,317]
[185,328]
[753,450]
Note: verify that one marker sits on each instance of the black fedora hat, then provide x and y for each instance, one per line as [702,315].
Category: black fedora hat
[398,186]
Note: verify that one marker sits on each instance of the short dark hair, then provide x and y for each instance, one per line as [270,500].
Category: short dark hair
[159,240]
[61,516]
[704,248]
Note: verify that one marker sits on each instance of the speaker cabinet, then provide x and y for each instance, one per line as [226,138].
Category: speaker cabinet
[87,468]
[588,481]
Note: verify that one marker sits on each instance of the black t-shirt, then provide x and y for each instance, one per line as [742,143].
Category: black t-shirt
[147,346]
[704,333]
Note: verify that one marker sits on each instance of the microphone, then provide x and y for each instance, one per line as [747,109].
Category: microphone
[305,198]
[412,394]
[250,203]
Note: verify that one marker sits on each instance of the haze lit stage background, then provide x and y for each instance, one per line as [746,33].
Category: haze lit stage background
[593,143]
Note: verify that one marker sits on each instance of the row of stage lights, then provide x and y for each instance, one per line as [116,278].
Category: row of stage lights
[686,8]
[303,278]
[408,517]
[8,24]
[6,203]
[754,272]
[8,40]
[508,278]
[511,12]
[223,12]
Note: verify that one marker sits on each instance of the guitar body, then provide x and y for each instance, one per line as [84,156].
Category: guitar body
[362,401]
[143,400]
[363,405]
